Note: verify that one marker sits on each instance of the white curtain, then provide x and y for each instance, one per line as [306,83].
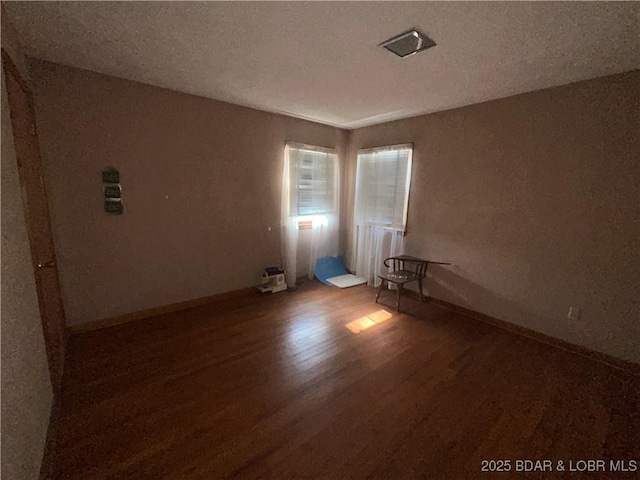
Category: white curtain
[310,188]
[289,222]
[382,192]
[373,244]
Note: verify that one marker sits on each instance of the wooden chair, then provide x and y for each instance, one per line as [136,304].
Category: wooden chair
[404,269]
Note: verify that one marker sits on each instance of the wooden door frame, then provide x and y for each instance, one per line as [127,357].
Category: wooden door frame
[10,68]
[49,456]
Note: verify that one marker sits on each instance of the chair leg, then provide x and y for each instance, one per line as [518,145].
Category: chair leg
[379,290]
[398,293]
[420,285]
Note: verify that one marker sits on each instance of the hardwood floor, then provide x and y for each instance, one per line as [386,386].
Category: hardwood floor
[276,386]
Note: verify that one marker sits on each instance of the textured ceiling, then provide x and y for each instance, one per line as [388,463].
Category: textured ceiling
[320,60]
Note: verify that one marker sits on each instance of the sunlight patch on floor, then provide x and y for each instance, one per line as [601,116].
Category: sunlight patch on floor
[368,321]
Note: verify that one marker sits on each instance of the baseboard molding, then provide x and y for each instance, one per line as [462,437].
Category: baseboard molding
[153,312]
[614,362]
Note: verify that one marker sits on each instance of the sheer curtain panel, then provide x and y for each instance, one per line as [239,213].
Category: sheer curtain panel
[310,188]
[380,219]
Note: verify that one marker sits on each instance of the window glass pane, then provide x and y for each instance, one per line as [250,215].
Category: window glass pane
[382,188]
[315,184]
[312,181]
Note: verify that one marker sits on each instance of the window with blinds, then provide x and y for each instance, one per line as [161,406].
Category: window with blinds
[382,186]
[315,193]
[312,182]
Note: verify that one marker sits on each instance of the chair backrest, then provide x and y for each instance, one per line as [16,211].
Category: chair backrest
[396,263]
[421,269]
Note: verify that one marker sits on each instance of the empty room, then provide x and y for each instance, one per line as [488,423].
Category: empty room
[332,240]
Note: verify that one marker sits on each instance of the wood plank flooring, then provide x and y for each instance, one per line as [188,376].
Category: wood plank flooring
[276,386]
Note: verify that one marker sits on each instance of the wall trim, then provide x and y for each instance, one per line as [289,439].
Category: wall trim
[163,310]
[607,359]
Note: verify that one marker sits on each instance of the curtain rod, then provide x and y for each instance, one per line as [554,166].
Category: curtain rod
[390,147]
[307,145]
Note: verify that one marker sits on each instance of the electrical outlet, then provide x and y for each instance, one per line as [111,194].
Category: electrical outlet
[574,313]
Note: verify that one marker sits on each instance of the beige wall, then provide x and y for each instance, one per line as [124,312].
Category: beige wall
[12,42]
[534,199]
[26,388]
[201,185]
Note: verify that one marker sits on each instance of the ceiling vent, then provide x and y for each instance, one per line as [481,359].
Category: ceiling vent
[408,43]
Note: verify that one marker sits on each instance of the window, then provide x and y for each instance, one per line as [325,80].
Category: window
[309,202]
[380,218]
[312,188]
[382,186]
[311,173]
[315,183]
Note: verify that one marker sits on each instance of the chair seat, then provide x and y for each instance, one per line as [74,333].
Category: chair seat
[399,276]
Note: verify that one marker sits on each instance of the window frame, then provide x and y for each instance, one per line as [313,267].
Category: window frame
[305,221]
[380,149]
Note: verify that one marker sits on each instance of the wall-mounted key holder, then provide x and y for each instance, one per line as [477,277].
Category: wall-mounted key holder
[112,191]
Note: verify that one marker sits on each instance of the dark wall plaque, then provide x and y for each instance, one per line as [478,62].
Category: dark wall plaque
[113,208]
[110,175]
[112,191]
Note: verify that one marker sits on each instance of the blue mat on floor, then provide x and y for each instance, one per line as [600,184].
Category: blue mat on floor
[327,267]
